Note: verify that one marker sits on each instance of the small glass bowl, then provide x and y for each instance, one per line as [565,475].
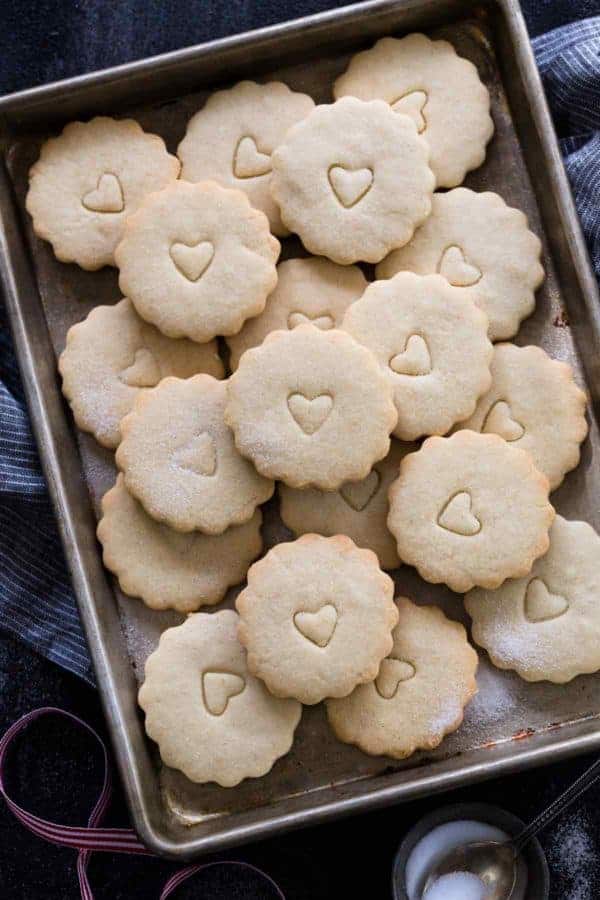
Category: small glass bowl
[538,878]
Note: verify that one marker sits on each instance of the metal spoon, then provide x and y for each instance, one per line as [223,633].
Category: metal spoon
[495,863]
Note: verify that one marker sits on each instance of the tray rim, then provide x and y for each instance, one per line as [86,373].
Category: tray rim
[45,404]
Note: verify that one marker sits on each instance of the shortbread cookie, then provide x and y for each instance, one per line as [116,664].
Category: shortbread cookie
[167,569]
[316,618]
[180,462]
[313,290]
[470,510]
[477,242]
[358,509]
[420,692]
[230,140]
[534,404]
[196,260]
[439,90]
[210,717]
[431,342]
[113,355]
[546,626]
[311,408]
[352,180]
[89,180]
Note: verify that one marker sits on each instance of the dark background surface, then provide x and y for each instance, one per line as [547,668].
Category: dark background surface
[58,773]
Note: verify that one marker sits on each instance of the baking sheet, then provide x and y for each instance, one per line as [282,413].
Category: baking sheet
[505,707]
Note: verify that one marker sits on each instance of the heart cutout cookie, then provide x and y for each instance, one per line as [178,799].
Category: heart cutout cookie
[415,359]
[218,688]
[358,494]
[350,185]
[324,322]
[456,515]
[106,197]
[143,371]
[310,412]
[413,105]
[455,268]
[541,604]
[192,260]
[198,456]
[317,627]
[392,673]
[249,161]
[499,420]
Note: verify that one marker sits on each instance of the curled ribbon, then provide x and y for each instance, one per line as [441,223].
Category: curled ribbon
[92,837]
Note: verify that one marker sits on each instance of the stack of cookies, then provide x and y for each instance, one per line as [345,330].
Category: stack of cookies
[387,405]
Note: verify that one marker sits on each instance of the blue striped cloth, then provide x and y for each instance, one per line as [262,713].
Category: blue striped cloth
[569,63]
[36,600]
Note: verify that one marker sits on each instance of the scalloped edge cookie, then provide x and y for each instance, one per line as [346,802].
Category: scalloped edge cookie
[450,105]
[364,717]
[316,618]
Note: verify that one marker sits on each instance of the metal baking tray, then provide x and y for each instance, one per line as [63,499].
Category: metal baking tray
[510,725]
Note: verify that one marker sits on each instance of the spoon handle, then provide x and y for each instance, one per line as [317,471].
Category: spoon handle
[579,786]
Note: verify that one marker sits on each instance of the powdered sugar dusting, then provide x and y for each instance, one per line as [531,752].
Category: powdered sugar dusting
[495,696]
[447,715]
[574,857]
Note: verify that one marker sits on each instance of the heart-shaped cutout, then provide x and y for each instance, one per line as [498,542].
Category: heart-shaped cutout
[456,515]
[455,268]
[413,105]
[218,688]
[350,185]
[106,197]
[310,412]
[249,161]
[392,673]
[541,604]
[143,372]
[192,260]
[358,494]
[415,359]
[500,420]
[317,627]
[198,456]
[324,322]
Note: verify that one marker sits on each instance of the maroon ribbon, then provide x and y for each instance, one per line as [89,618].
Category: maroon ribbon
[93,838]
